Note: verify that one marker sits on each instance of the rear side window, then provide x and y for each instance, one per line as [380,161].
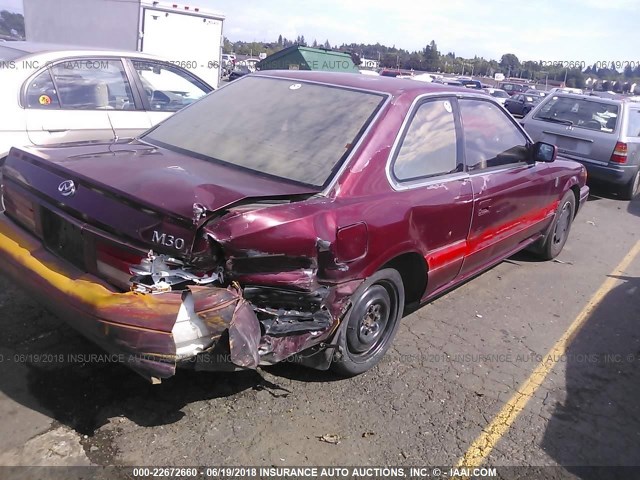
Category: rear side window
[633,126]
[429,146]
[490,137]
[579,112]
[41,92]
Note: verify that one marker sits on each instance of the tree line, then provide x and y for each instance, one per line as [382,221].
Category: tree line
[431,59]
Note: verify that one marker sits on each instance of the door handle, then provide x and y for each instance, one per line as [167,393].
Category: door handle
[57,130]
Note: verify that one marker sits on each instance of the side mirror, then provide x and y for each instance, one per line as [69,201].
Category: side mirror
[544,152]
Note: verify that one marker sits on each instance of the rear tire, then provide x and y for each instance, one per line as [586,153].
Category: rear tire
[371,324]
[631,189]
[559,231]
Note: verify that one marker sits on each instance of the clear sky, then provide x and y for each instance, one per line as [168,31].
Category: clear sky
[569,30]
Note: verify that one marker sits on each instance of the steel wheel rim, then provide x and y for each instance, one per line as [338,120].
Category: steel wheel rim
[371,321]
[562,225]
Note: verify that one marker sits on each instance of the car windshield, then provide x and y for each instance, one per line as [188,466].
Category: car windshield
[500,94]
[289,129]
[579,112]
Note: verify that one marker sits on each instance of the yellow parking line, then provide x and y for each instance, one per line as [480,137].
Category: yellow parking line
[487,440]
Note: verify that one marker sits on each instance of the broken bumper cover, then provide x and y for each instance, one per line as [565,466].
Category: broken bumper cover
[155,333]
[152,333]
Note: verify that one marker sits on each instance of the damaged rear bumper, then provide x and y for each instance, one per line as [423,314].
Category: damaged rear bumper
[154,333]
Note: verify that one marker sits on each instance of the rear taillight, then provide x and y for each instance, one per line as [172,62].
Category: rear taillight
[113,263]
[619,154]
[20,208]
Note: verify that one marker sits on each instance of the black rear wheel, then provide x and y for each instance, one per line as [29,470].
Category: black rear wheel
[631,189]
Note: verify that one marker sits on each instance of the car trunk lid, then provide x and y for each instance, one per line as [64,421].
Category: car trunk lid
[137,192]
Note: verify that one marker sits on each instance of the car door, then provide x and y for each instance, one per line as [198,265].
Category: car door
[427,171]
[128,117]
[511,196]
[510,103]
[517,105]
[165,88]
[71,100]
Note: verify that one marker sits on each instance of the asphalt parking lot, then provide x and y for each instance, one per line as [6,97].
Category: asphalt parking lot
[456,363]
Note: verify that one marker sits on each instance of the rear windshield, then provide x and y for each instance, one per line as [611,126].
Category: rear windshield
[499,94]
[284,128]
[579,112]
[8,54]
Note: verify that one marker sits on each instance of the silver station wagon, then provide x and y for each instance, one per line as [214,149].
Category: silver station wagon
[601,133]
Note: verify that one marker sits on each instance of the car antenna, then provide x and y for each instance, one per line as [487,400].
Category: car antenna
[115,135]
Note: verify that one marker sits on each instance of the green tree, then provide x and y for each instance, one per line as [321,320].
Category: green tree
[431,56]
[509,62]
[628,71]
[11,22]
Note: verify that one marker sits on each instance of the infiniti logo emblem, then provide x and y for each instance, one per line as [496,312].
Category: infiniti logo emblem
[67,188]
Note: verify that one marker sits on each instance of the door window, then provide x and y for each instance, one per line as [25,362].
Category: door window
[92,84]
[168,88]
[490,137]
[429,145]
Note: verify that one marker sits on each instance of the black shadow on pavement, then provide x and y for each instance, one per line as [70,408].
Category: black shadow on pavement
[598,424]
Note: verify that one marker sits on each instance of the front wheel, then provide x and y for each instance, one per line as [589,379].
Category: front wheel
[371,324]
[557,236]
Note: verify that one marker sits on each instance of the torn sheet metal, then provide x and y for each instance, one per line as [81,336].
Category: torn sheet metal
[244,336]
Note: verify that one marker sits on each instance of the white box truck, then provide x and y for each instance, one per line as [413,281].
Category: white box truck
[186,35]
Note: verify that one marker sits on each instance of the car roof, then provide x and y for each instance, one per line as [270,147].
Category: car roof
[613,100]
[52,50]
[389,85]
